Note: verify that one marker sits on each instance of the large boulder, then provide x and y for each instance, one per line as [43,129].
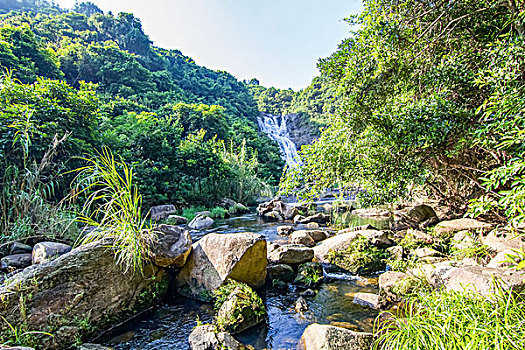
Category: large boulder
[291,254]
[277,210]
[450,227]
[207,338]
[325,337]
[218,257]
[171,246]
[160,212]
[500,240]
[419,216]
[47,251]
[201,222]
[84,284]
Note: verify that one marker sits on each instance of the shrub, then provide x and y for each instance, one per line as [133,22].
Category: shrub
[113,208]
[359,257]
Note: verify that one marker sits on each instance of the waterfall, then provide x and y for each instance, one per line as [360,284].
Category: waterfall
[275,127]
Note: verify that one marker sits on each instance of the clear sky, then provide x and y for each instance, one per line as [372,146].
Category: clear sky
[275,41]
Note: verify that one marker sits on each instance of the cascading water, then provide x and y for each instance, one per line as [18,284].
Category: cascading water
[275,127]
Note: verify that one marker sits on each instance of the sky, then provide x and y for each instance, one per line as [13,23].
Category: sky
[276,41]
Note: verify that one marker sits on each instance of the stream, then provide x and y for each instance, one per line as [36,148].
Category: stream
[169,326]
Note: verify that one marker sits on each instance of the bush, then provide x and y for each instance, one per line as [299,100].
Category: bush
[360,257]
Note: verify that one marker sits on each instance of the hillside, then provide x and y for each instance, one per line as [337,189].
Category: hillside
[141,91]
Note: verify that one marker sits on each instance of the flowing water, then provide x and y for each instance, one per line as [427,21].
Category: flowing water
[275,127]
[169,326]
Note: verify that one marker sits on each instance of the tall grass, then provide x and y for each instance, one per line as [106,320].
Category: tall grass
[27,190]
[442,320]
[113,209]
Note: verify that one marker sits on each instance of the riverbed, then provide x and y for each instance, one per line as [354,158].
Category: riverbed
[170,324]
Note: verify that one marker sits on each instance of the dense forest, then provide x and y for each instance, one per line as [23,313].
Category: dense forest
[94,80]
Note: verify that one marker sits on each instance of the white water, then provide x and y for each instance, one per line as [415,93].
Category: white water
[275,127]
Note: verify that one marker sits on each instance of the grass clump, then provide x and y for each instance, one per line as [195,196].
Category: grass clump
[360,257]
[113,209]
[456,320]
[474,250]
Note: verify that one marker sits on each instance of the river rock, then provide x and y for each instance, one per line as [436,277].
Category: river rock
[368,299]
[312,225]
[479,279]
[84,284]
[285,230]
[201,222]
[206,338]
[356,228]
[419,216]
[177,220]
[336,243]
[5,347]
[277,210]
[500,259]
[171,246]
[448,228]
[280,272]
[372,213]
[160,212]
[500,240]
[237,314]
[291,254]
[301,237]
[218,257]
[421,253]
[47,251]
[320,218]
[227,203]
[342,241]
[317,235]
[241,208]
[389,279]
[325,337]
[89,346]
[17,261]
[19,248]
[397,251]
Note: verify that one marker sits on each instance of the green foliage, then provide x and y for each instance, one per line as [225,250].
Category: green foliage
[411,286]
[113,210]
[360,257]
[412,78]
[456,320]
[474,250]
[20,336]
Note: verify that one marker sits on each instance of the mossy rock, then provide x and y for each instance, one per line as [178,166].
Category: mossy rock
[239,307]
